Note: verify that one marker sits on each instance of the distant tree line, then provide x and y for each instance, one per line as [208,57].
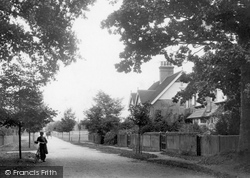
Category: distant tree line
[66,124]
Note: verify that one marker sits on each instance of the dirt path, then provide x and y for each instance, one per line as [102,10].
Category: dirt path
[84,162]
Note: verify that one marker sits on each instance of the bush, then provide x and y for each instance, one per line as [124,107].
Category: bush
[190,128]
[110,138]
[228,124]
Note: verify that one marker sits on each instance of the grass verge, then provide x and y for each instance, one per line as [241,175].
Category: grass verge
[12,159]
[150,158]
[121,152]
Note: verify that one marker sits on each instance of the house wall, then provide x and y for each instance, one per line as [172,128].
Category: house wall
[167,106]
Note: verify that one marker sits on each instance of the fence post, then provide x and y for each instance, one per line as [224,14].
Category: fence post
[2,139]
[219,147]
[198,145]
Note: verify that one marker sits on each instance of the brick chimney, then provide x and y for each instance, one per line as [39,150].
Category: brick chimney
[166,69]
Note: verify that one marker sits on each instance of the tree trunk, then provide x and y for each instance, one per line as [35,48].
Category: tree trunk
[20,143]
[29,139]
[79,136]
[244,138]
[139,143]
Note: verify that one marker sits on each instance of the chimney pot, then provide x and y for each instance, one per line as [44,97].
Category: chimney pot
[166,69]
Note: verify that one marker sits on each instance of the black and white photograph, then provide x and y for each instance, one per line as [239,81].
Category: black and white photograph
[125,88]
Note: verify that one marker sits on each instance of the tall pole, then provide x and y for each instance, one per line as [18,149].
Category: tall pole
[79,127]
[19,135]
[29,138]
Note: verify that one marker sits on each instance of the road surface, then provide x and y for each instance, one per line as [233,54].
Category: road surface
[83,162]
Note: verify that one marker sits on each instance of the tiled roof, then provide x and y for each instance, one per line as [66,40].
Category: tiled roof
[154,86]
[163,85]
[144,95]
[199,113]
[155,89]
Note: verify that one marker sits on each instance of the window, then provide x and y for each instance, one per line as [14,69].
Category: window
[203,121]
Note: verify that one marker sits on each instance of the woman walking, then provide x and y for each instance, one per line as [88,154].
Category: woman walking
[43,146]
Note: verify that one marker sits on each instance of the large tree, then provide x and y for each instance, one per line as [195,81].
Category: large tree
[103,116]
[221,29]
[21,101]
[40,31]
[68,121]
[140,117]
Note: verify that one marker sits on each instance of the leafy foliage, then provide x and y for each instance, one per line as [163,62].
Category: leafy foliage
[103,116]
[127,124]
[191,128]
[147,28]
[218,29]
[57,126]
[110,138]
[68,122]
[21,100]
[41,31]
[228,123]
[140,115]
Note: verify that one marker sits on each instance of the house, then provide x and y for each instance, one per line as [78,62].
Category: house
[203,115]
[160,93]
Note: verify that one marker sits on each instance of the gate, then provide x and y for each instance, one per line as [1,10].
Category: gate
[163,142]
[198,141]
[128,140]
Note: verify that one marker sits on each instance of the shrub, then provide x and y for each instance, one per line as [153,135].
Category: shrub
[110,138]
[228,124]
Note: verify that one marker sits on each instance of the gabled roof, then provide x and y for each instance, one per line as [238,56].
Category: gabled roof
[144,95]
[161,88]
[154,86]
[132,99]
[156,90]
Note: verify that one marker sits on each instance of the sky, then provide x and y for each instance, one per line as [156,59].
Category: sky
[78,83]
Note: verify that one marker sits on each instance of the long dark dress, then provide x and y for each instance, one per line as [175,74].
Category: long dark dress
[43,147]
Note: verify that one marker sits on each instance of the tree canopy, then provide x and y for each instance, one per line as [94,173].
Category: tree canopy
[40,31]
[140,115]
[68,122]
[21,100]
[218,29]
[103,116]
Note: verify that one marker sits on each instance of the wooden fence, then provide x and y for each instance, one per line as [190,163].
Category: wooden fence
[214,144]
[6,140]
[182,143]
[74,136]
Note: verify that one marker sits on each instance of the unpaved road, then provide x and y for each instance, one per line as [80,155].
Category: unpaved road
[84,162]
